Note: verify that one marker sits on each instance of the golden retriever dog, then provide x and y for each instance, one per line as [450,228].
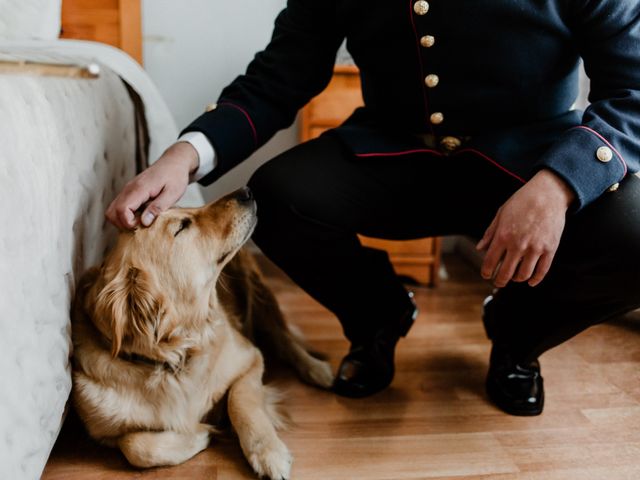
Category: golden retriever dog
[164,331]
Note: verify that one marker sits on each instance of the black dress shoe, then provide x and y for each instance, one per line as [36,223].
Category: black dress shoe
[369,366]
[514,387]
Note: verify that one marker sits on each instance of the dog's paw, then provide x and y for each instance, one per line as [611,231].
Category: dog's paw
[202,436]
[272,460]
[317,372]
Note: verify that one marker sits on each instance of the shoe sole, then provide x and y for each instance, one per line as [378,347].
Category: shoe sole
[349,392]
[532,412]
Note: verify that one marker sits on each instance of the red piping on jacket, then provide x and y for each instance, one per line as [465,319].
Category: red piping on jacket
[620,157]
[397,154]
[244,112]
[492,161]
[470,150]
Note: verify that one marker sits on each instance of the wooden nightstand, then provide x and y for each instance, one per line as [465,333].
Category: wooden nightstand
[418,259]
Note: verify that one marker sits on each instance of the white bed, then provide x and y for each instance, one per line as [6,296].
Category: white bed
[68,146]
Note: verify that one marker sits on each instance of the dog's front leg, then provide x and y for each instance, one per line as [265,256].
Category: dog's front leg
[266,453]
[158,449]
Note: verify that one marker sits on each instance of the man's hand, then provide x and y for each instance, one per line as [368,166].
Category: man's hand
[164,182]
[525,233]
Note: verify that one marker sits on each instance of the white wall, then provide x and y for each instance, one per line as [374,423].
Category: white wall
[193,48]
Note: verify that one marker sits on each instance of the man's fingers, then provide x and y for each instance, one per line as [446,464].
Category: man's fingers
[127,217]
[127,206]
[150,214]
[122,211]
[162,202]
[488,235]
[526,268]
[503,265]
[123,219]
[544,264]
[491,260]
[163,183]
[507,268]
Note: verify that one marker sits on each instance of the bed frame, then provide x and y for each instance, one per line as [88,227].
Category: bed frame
[116,22]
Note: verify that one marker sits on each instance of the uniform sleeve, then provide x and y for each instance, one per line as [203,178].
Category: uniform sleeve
[594,156]
[295,66]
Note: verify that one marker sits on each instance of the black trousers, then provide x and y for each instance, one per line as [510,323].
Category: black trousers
[314,199]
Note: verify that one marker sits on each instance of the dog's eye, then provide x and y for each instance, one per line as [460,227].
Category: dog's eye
[183,224]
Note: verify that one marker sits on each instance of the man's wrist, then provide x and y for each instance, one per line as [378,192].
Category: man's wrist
[206,154]
[184,153]
[553,184]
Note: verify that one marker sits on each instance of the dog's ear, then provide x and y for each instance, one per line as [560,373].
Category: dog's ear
[131,307]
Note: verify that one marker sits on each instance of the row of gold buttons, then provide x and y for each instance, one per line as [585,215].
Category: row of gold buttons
[421,7]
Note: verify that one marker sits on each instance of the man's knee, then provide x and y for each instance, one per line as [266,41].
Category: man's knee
[266,181]
[283,178]
[298,178]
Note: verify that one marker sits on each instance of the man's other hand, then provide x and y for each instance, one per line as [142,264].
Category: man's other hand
[525,233]
[163,183]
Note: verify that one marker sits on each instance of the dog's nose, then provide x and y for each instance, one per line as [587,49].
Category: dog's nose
[244,195]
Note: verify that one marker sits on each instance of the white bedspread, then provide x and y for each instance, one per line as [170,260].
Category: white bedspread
[162,127]
[67,146]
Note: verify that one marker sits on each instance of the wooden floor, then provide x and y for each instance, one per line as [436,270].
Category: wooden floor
[435,420]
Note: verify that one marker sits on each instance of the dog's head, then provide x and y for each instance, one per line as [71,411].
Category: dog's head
[159,281]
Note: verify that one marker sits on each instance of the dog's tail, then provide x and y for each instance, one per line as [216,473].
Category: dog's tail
[270,329]
[262,321]
[274,398]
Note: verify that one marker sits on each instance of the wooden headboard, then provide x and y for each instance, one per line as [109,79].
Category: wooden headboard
[116,22]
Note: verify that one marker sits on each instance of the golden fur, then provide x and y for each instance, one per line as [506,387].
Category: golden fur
[161,334]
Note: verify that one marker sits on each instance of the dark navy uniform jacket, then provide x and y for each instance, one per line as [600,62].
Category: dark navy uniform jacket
[495,77]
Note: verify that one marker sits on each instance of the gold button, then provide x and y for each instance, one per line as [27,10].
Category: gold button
[421,7]
[436,118]
[211,107]
[604,154]
[614,187]
[427,41]
[432,80]
[450,143]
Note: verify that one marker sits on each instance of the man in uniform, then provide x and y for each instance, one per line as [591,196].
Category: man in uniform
[468,129]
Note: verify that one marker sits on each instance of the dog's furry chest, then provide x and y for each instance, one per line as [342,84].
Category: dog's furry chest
[125,395]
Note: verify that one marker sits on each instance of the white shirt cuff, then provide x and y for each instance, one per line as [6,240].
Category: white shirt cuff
[206,154]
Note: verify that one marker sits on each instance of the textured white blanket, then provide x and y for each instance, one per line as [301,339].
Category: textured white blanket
[67,146]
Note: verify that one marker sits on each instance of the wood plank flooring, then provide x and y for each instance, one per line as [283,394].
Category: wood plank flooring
[435,421]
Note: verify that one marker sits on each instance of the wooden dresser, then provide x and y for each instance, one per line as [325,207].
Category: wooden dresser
[418,259]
